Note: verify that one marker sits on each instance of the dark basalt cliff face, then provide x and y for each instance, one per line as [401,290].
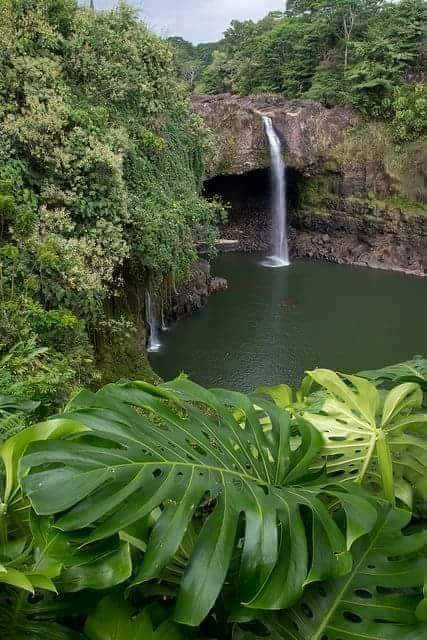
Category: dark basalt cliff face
[342,208]
[308,130]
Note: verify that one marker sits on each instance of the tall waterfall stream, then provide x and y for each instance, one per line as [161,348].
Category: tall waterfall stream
[154,343]
[280,255]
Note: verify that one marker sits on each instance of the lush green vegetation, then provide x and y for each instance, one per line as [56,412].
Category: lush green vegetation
[191,60]
[173,512]
[176,512]
[365,53]
[100,175]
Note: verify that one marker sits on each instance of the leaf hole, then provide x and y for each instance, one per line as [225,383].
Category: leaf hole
[363,593]
[384,590]
[384,621]
[352,617]
[336,473]
[306,610]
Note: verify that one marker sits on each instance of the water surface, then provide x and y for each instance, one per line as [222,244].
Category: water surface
[273,324]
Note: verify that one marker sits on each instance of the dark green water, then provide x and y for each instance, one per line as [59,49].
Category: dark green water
[273,324]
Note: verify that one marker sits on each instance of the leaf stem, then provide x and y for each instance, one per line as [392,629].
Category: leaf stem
[3,523]
[385,465]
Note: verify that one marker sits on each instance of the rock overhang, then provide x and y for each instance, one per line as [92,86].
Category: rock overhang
[309,131]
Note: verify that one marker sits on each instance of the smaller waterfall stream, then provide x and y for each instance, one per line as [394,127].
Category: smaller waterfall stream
[280,256]
[154,343]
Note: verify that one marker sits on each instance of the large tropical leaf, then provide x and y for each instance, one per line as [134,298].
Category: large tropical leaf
[13,414]
[25,618]
[372,436]
[11,450]
[410,371]
[97,566]
[114,619]
[18,566]
[377,600]
[187,451]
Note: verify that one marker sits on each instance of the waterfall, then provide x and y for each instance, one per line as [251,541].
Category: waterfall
[280,256]
[151,314]
[164,323]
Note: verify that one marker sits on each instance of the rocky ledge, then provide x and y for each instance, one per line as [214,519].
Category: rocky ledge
[388,240]
[351,233]
[194,294]
[308,130]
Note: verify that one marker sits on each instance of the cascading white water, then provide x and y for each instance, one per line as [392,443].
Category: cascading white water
[154,343]
[280,256]
[164,323]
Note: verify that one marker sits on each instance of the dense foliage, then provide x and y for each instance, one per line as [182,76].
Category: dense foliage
[191,59]
[174,512]
[100,175]
[358,52]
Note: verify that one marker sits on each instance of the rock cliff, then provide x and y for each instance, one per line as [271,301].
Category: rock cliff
[309,131]
[345,205]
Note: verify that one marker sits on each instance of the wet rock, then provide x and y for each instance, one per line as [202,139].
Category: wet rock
[217,284]
[193,294]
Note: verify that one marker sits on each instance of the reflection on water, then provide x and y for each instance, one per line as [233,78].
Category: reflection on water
[273,324]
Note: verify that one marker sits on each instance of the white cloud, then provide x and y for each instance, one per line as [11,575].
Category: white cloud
[198,20]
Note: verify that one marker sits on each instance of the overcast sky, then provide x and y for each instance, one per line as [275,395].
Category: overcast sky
[197,20]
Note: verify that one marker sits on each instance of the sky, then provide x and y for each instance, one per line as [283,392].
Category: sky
[197,20]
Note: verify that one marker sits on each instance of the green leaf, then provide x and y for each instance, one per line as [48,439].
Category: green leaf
[114,619]
[9,404]
[113,567]
[23,617]
[76,567]
[176,446]
[371,437]
[15,578]
[12,449]
[282,394]
[411,371]
[377,599]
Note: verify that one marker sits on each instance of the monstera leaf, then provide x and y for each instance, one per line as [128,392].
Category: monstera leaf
[61,556]
[189,451]
[26,618]
[377,600]
[115,620]
[372,436]
[411,371]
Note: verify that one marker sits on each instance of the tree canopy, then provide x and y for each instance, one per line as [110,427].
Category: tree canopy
[100,173]
[356,52]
